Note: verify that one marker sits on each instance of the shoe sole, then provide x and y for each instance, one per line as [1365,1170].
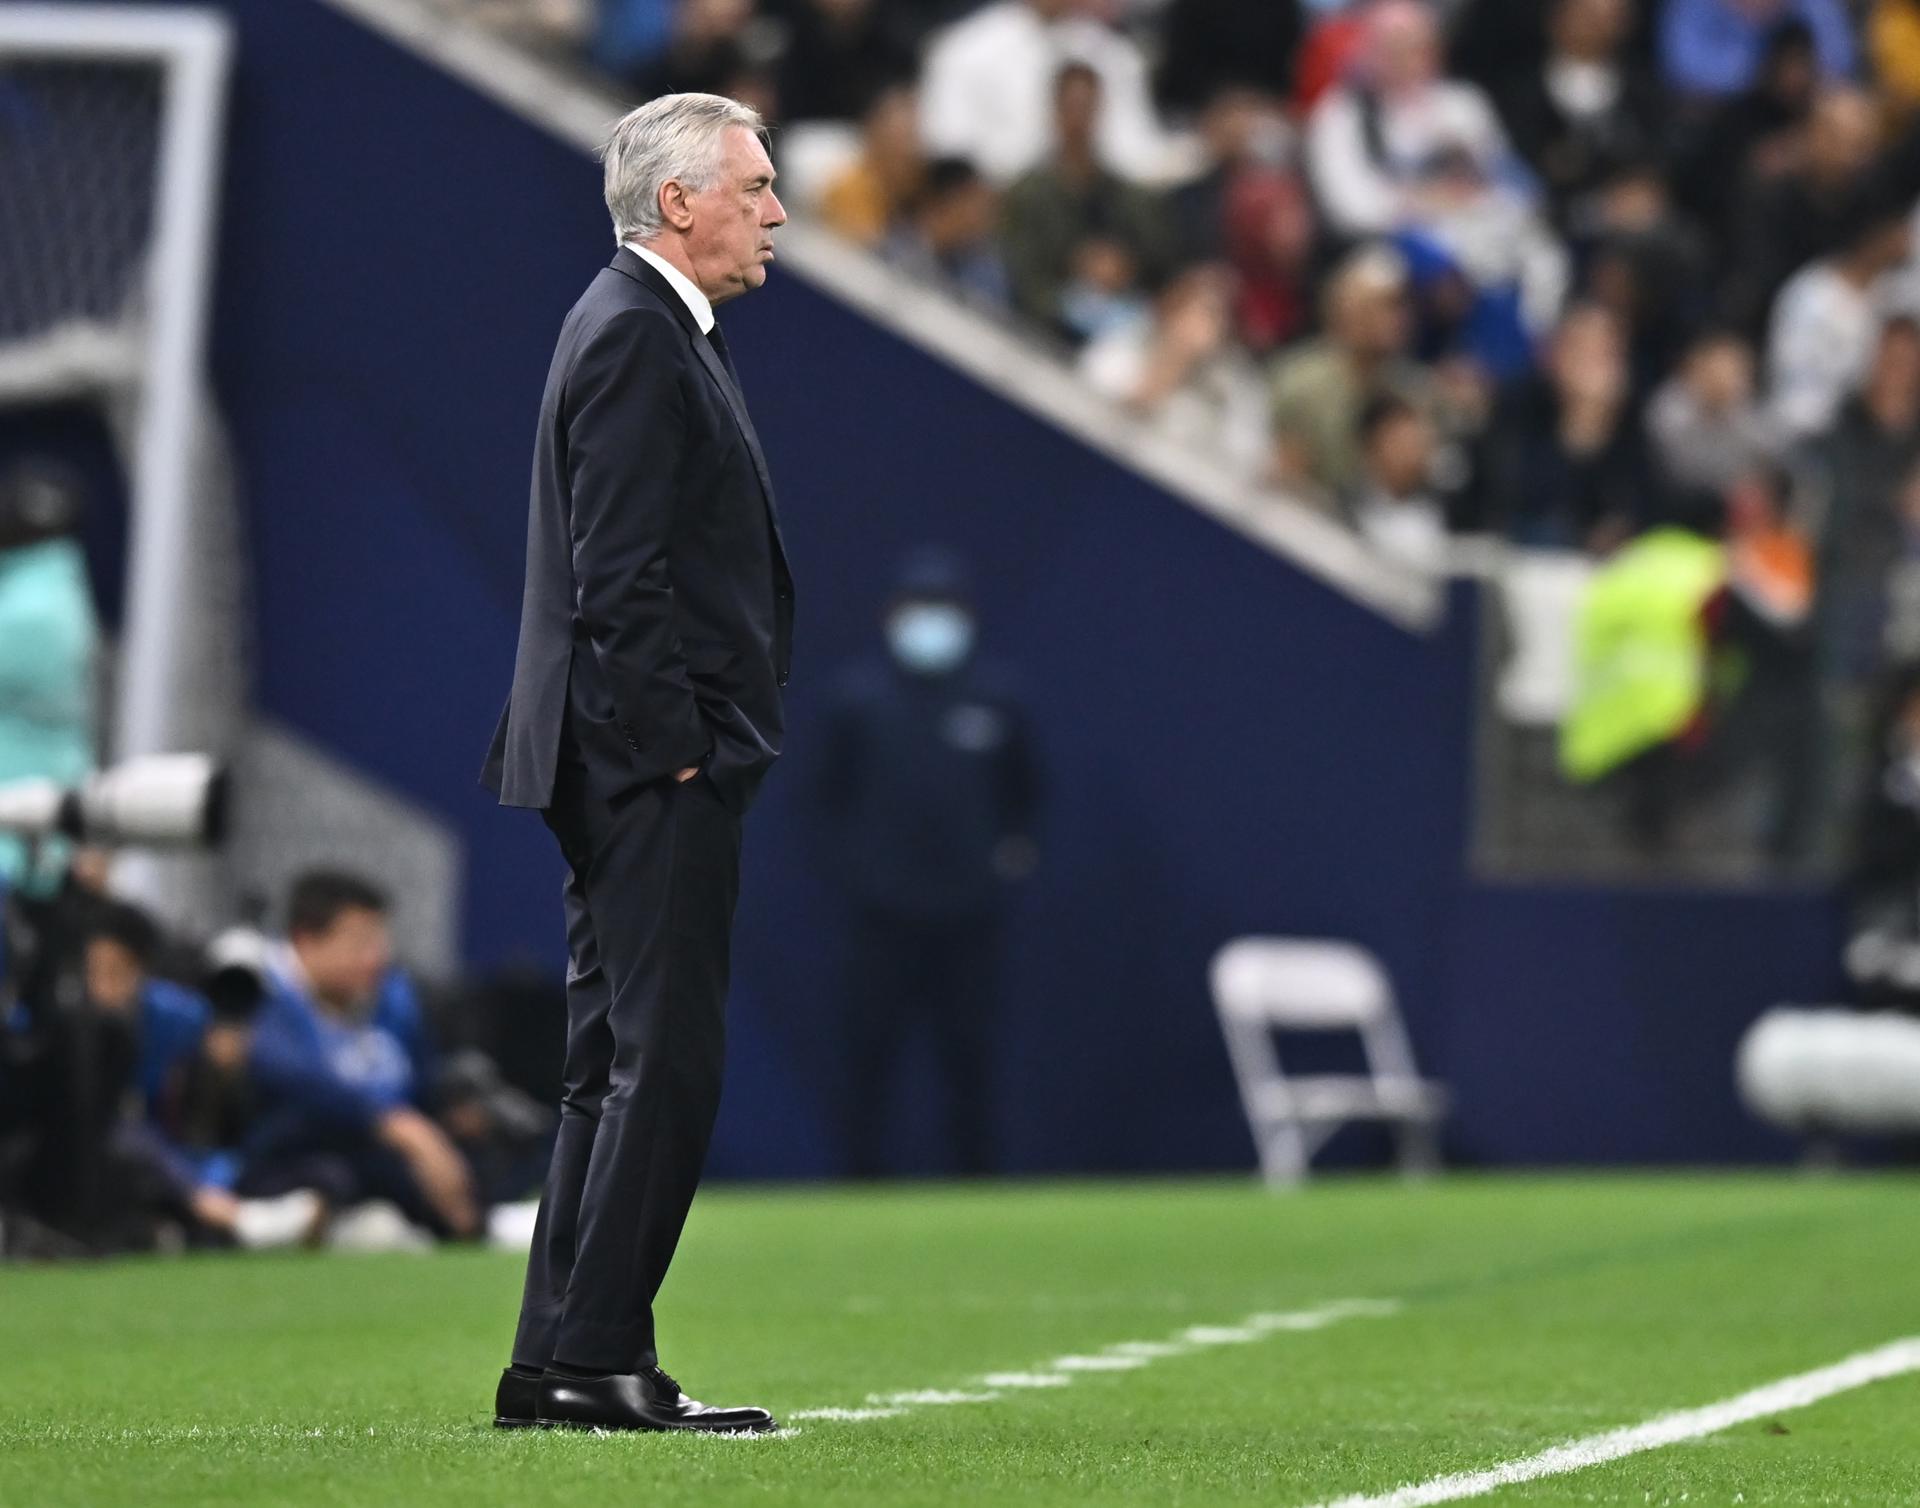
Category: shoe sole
[641,1429]
[508,1421]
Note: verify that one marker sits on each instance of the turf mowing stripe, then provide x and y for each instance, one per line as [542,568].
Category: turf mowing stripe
[1895,1359]
[1122,1356]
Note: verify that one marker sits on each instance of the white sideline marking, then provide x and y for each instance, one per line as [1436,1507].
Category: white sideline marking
[844,1414]
[1026,1380]
[1149,1350]
[1122,1356]
[1228,1335]
[1893,1360]
[1326,1314]
[923,1397]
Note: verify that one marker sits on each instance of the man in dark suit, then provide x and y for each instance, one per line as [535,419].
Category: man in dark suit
[655,635]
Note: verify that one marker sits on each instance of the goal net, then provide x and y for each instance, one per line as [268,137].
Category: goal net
[111,130]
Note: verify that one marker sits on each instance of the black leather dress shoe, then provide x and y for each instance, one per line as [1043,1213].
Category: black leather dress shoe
[647,1399]
[516,1402]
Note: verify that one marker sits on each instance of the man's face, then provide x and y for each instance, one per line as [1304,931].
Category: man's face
[730,241]
[1077,108]
[226,1046]
[1590,28]
[1231,122]
[1721,375]
[1374,319]
[1893,381]
[1842,135]
[964,218]
[1402,455]
[114,976]
[1404,48]
[1589,341]
[347,960]
[893,130]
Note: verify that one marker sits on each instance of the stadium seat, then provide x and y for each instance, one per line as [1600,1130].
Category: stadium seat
[1263,986]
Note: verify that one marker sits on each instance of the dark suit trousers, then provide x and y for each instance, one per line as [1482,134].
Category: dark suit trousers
[908,977]
[653,875]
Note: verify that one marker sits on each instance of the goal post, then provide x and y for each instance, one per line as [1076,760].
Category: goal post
[112,129]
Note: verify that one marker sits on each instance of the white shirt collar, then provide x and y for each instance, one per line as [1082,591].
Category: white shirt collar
[698,304]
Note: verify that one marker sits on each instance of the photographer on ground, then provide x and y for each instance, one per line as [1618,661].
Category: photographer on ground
[344,1070]
[107,1063]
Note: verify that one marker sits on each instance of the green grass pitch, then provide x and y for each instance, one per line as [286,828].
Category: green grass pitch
[1531,1311]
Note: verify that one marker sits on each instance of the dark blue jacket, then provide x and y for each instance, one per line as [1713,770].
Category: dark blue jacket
[323,1082]
[921,778]
[173,1020]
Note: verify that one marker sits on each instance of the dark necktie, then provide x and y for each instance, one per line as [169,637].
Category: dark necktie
[719,343]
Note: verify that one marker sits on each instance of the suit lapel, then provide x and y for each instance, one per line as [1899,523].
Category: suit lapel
[641,272]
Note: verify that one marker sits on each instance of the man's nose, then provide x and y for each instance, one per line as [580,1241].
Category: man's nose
[776,211]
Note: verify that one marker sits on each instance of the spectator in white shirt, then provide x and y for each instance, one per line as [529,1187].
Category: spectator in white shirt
[1182,372]
[1394,507]
[1706,424]
[1372,143]
[1825,323]
[987,90]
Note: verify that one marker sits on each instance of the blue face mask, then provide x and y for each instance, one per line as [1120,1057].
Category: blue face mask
[1091,312]
[930,638]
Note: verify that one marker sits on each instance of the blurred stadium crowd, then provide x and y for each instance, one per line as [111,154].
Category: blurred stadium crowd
[1631,281]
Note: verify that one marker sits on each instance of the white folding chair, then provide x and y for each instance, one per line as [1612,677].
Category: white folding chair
[1263,986]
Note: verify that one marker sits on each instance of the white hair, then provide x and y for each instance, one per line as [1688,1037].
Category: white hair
[675,137]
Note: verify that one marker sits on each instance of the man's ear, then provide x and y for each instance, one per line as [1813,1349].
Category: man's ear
[674,208]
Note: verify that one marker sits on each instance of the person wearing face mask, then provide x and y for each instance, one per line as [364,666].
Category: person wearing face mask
[929,791]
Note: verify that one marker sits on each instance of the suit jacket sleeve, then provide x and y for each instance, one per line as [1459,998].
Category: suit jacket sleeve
[626,427]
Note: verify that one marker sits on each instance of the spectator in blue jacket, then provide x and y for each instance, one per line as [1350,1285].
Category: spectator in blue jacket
[343,1067]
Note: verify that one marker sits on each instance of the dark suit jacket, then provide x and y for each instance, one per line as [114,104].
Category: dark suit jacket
[657,621]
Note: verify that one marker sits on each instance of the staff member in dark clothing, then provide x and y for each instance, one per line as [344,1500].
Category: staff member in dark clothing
[930,784]
[655,634]
[1883,872]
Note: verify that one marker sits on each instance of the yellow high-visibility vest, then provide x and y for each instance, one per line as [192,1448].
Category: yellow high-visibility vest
[1640,650]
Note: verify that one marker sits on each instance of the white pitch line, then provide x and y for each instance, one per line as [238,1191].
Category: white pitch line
[1326,1314]
[1225,1335]
[1122,1356]
[1097,1363]
[1893,1360]
[846,1415]
[928,1397]
[1026,1379]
